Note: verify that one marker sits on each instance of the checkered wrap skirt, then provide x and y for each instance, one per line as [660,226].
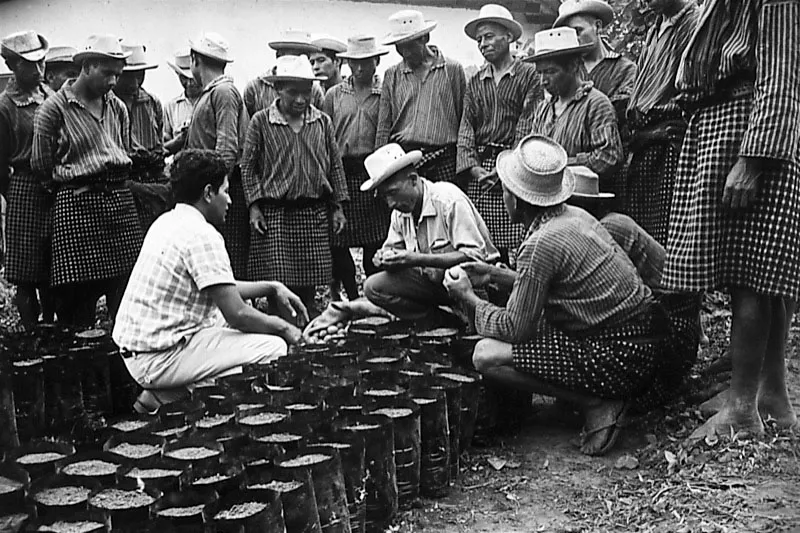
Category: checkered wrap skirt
[236,230]
[367,216]
[296,249]
[29,230]
[710,246]
[96,234]
[490,204]
[437,163]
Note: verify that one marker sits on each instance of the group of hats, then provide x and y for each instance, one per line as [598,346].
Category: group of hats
[32,46]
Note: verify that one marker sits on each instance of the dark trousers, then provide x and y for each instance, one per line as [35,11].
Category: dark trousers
[76,302]
[344,269]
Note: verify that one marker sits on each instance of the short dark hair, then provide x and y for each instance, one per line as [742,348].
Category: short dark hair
[208,61]
[331,54]
[99,60]
[192,170]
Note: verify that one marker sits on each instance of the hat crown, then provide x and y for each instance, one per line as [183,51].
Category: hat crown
[587,182]
[60,54]
[494,11]
[213,45]
[407,21]
[327,42]
[543,163]
[575,7]
[106,44]
[377,162]
[23,42]
[137,54]
[183,59]
[295,67]
[555,39]
[296,36]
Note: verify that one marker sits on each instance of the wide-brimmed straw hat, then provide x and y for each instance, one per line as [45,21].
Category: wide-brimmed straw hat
[104,46]
[595,8]
[362,47]
[181,63]
[138,59]
[213,45]
[386,161]
[60,54]
[557,42]
[587,184]
[407,25]
[293,68]
[495,14]
[328,43]
[536,171]
[297,40]
[28,45]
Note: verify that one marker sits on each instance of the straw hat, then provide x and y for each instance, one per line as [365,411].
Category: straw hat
[407,25]
[60,54]
[105,46]
[293,68]
[495,14]
[138,58]
[326,42]
[595,8]
[555,43]
[362,47]
[181,63]
[298,40]
[28,45]
[386,161]
[213,45]
[536,171]
[587,184]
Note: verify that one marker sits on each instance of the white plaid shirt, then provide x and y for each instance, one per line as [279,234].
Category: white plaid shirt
[164,302]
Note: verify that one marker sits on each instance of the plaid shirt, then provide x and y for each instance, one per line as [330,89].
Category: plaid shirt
[164,301]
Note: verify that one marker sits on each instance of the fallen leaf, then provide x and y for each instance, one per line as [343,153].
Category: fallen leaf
[497,463]
[627,462]
[546,463]
[712,439]
[513,464]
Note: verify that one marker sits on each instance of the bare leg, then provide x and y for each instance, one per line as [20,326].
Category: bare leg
[773,397]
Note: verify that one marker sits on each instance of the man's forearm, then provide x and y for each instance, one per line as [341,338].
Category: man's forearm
[251,320]
[504,278]
[255,289]
[445,260]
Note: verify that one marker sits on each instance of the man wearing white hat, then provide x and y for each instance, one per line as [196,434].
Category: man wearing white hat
[434,227]
[422,97]
[28,239]
[353,108]
[495,99]
[326,62]
[59,66]
[81,141]
[294,184]
[144,109]
[219,123]
[259,93]
[178,111]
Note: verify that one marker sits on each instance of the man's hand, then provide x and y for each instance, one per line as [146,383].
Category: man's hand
[479,274]
[741,187]
[377,259]
[396,259]
[257,219]
[290,306]
[338,219]
[399,138]
[335,313]
[486,179]
[292,335]
[457,283]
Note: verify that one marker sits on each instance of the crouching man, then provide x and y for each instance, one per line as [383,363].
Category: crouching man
[183,316]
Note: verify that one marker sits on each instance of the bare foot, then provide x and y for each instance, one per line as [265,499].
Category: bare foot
[713,405]
[726,420]
[601,426]
[778,408]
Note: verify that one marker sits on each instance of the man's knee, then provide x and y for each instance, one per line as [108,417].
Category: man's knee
[270,348]
[491,353]
[376,288]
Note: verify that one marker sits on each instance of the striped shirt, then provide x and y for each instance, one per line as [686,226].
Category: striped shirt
[177,115]
[658,63]
[17,109]
[279,164]
[69,142]
[613,76]
[219,121]
[491,111]
[428,111]
[260,93]
[355,122]
[571,274]
[586,128]
[147,122]
[749,40]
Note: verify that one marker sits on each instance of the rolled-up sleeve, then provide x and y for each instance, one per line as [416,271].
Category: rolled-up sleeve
[394,239]
[225,103]
[464,233]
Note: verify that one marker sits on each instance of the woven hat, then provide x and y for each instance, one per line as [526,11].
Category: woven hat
[213,45]
[138,58]
[60,54]
[495,14]
[181,63]
[587,184]
[28,45]
[293,68]
[536,171]
[362,47]
[556,42]
[326,42]
[386,161]
[596,8]
[106,46]
[298,40]
[407,25]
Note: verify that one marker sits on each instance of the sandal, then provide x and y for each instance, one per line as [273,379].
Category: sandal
[615,425]
[149,402]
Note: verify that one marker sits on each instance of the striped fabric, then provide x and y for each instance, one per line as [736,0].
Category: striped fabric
[16,127]
[219,121]
[260,93]
[147,122]
[613,76]
[355,123]
[425,112]
[757,40]
[491,111]
[279,164]
[177,115]
[70,142]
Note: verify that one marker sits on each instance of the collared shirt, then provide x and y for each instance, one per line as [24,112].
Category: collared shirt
[425,111]
[658,63]
[749,40]
[260,93]
[570,273]
[279,164]
[613,76]
[177,115]
[355,122]
[165,300]
[491,111]
[219,121]
[448,222]
[587,129]
[70,142]
[147,122]
[17,109]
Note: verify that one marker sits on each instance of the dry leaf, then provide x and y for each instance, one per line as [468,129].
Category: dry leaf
[627,462]
[497,463]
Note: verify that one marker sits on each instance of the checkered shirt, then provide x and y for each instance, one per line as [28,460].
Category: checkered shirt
[164,302]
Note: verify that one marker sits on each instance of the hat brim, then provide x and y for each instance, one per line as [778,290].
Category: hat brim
[598,196]
[144,66]
[366,55]
[272,78]
[506,172]
[471,29]
[410,159]
[60,61]
[302,47]
[397,38]
[33,56]
[549,54]
[186,73]
[196,50]
[602,11]
[80,57]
